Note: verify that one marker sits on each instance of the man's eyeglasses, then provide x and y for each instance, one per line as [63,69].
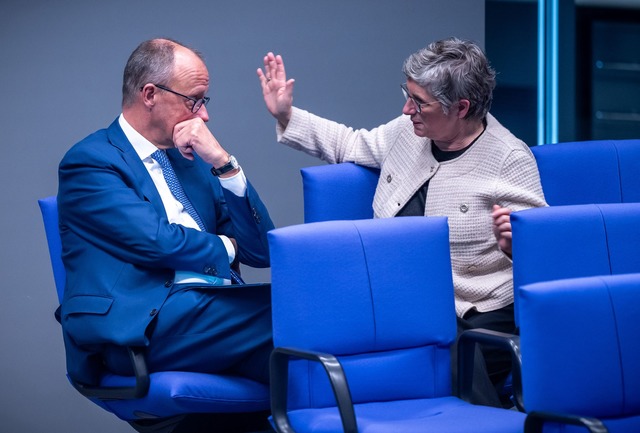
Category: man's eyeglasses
[197,103]
[416,103]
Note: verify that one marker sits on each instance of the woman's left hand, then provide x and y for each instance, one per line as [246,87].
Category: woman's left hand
[502,227]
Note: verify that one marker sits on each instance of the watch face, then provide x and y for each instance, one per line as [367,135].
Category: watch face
[232,162]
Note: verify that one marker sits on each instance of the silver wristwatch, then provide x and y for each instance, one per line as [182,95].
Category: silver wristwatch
[232,164]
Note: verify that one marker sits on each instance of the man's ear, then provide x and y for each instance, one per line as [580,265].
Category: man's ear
[149,92]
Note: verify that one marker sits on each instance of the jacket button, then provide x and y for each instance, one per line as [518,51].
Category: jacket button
[389,178]
[464,208]
[256,215]
[168,283]
[153,312]
[208,270]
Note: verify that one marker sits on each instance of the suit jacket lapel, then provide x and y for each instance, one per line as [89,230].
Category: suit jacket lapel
[143,181]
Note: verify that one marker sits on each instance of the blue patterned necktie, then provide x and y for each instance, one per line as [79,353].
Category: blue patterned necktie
[177,191]
[175,186]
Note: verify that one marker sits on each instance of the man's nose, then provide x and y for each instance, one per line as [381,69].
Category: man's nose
[203,113]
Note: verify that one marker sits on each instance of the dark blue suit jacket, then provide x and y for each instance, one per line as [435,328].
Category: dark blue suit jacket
[119,250]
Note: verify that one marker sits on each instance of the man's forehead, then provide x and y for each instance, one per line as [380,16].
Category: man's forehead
[190,69]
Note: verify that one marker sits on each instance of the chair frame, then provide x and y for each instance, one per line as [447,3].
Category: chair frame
[535,421]
[279,372]
[139,390]
[467,342]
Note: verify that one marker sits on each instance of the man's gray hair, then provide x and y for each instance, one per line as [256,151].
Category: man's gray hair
[151,62]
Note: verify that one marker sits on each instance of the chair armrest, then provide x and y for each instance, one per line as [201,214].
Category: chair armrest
[279,372]
[139,390]
[535,421]
[467,341]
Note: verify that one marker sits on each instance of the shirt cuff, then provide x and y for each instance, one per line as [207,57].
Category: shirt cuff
[229,246]
[237,183]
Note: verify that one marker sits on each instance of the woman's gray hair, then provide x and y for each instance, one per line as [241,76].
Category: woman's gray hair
[452,69]
[151,62]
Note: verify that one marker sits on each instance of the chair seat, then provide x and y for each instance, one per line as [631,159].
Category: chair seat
[412,416]
[173,393]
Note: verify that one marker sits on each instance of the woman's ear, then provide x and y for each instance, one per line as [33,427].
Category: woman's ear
[463,108]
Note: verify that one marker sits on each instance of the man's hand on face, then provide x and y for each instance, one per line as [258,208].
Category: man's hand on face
[193,135]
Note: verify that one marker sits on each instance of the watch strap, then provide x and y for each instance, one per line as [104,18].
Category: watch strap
[232,164]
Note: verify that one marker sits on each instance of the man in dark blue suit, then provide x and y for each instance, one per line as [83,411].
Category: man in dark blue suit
[142,268]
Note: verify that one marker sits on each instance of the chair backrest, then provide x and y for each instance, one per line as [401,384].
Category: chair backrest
[559,242]
[580,348]
[49,209]
[376,293]
[338,192]
[583,172]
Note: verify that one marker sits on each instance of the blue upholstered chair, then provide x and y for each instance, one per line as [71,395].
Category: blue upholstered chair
[560,242]
[161,399]
[338,192]
[583,172]
[363,330]
[581,354]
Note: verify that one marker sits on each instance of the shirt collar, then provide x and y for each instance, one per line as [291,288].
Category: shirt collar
[143,147]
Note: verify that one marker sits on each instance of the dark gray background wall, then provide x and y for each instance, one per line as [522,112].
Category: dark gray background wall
[61,65]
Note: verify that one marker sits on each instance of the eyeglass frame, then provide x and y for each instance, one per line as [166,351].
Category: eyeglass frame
[416,104]
[203,101]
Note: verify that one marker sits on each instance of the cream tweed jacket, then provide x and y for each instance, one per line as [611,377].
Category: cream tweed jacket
[498,169]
